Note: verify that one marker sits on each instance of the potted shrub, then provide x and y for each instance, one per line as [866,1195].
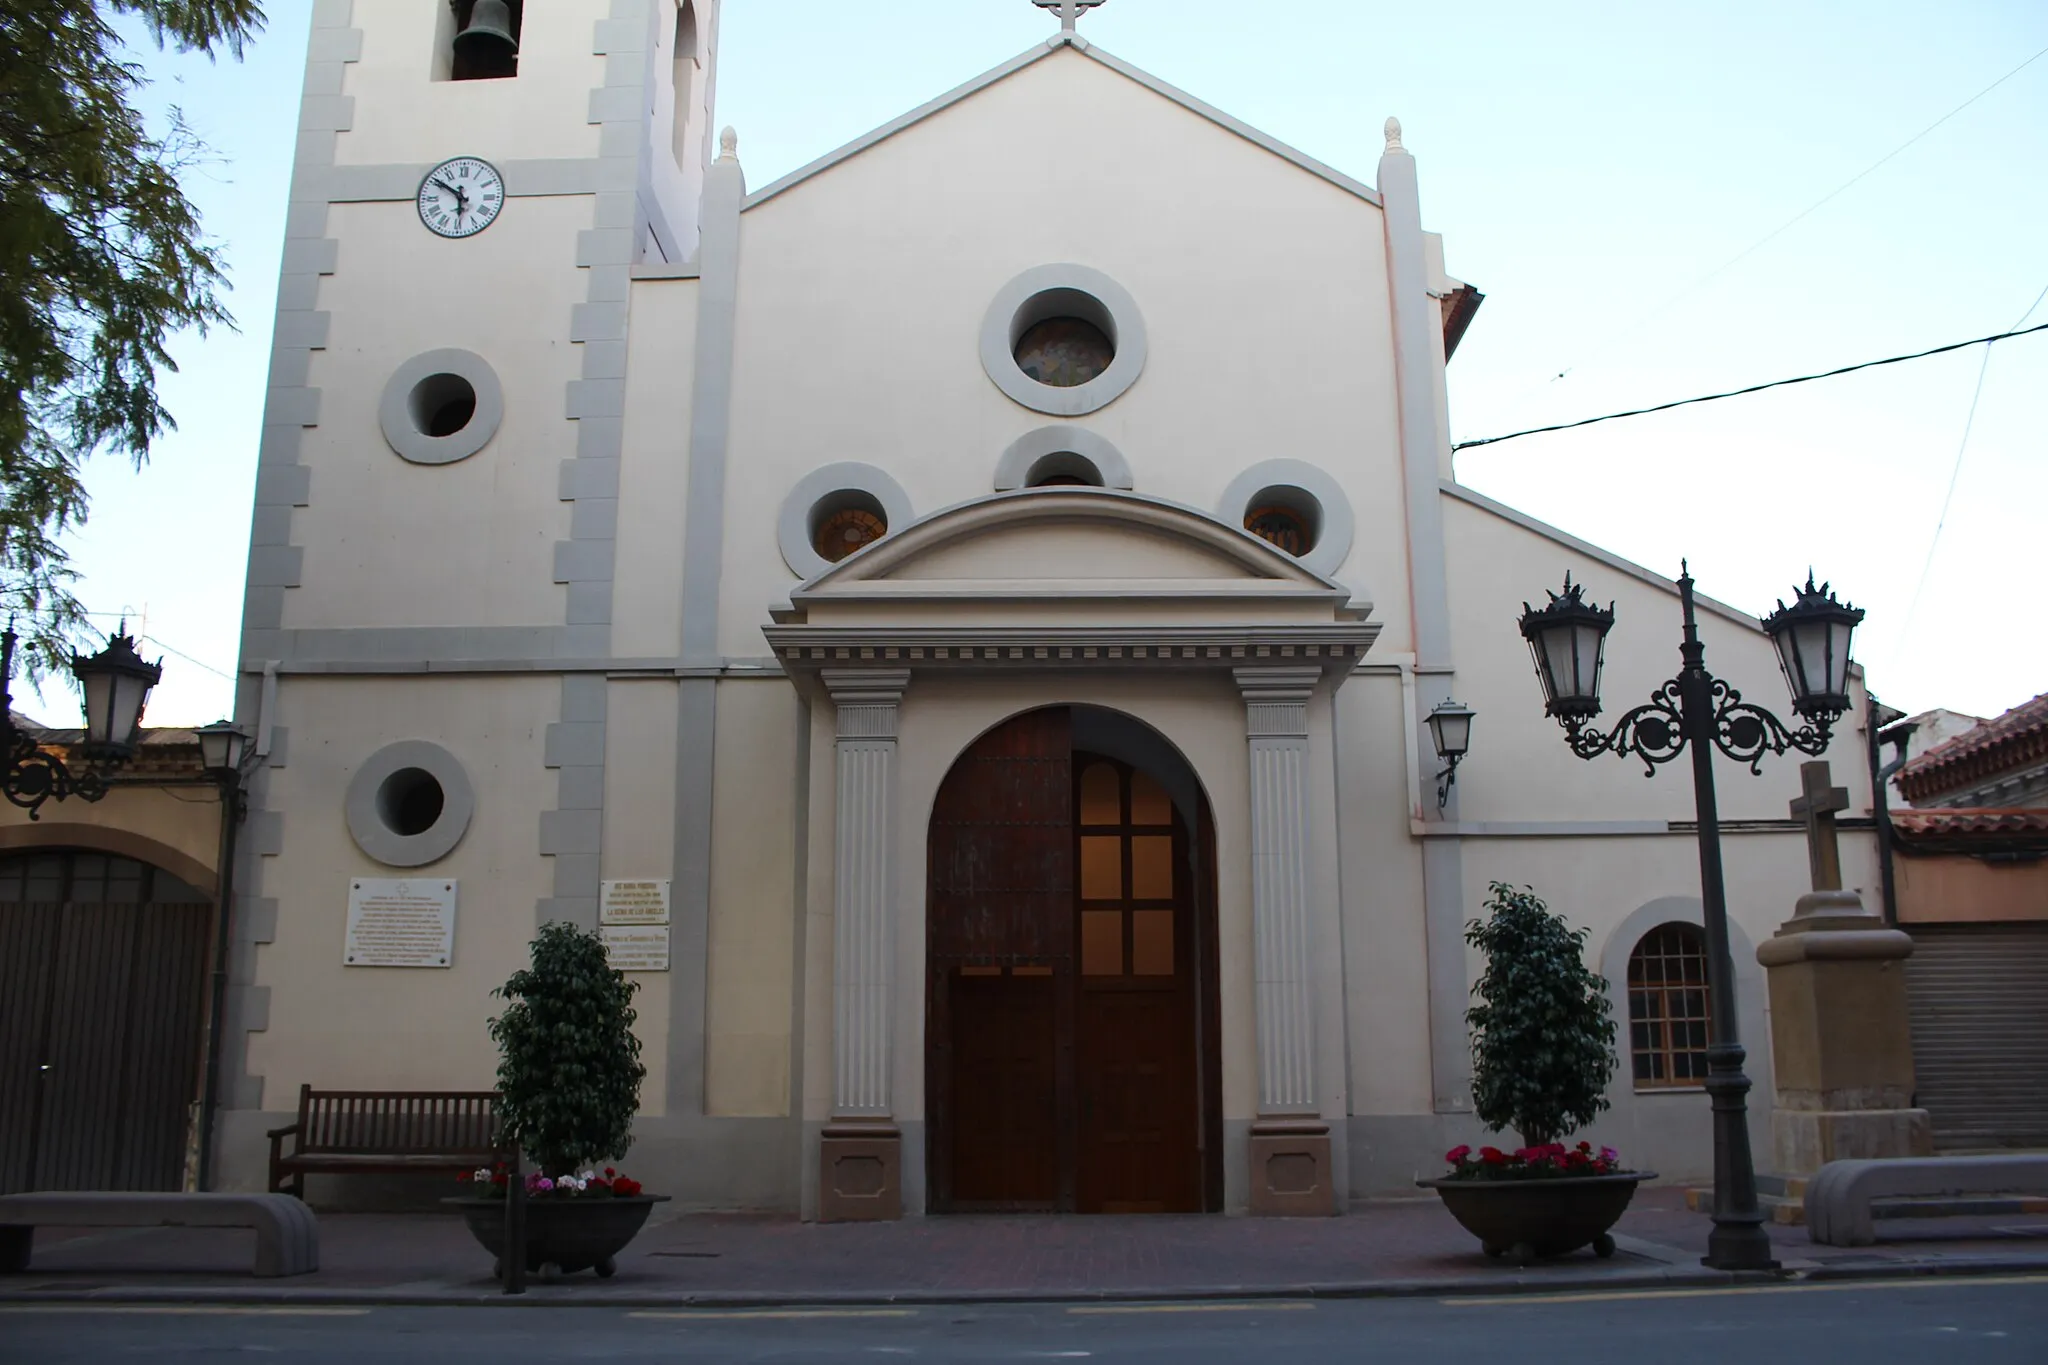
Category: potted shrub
[1542,1055]
[569,1076]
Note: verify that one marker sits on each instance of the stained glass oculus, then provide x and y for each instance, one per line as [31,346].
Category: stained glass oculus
[1064,353]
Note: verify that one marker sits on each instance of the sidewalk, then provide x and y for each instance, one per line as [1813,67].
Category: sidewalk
[1383,1248]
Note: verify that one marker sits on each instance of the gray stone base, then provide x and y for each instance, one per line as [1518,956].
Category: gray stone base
[1804,1140]
[860,1173]
[1291,1172]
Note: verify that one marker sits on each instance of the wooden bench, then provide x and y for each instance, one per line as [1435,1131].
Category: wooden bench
[1839,1197]
[287,1238]
[385,1132]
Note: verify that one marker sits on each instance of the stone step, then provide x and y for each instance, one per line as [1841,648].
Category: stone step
[1786,1204]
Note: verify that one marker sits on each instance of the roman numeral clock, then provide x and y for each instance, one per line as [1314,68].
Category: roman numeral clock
[461,197]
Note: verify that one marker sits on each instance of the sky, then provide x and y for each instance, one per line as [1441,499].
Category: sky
[1659,202]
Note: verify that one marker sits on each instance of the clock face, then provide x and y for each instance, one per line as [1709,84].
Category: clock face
[461,197]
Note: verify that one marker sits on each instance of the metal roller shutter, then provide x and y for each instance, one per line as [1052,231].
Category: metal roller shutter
[1978,996]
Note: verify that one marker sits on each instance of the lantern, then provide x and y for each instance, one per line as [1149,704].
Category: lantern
[1566,638]
[1812,636]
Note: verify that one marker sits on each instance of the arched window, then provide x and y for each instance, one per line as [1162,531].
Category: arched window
[65,875]
[685,80]
[1667,1008]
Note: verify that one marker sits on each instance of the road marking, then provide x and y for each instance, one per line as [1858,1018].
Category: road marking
[192,1310]
[707,1313]
[1274,1305]
[1722,1291]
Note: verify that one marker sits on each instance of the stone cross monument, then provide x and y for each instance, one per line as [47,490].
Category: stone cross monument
[1840,1047]
[1816,804]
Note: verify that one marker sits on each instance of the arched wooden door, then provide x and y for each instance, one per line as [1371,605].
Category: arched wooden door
[102,981]
[1064,977]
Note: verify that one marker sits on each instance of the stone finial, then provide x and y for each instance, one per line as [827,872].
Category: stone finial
[729,145]
[1393,131]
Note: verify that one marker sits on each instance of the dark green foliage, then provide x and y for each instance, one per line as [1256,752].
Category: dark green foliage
[569,1067]
[1542,1035]
[101,261]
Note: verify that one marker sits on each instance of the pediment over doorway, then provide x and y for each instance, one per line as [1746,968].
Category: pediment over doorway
[1070,578]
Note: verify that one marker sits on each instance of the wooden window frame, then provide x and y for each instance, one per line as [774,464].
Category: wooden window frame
[1655,1003]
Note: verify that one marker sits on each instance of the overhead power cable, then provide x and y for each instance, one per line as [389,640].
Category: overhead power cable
[1955,474]
[1689,290]
[1753,388]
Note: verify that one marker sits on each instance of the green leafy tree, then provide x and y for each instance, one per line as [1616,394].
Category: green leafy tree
[101,262]
[569,1068]
[1542,1034]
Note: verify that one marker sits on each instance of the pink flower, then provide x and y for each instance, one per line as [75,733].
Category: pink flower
[1457,1154]
[1609,1155]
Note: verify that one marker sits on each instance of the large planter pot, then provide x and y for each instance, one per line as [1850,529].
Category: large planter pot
[1524,1219]
[567,1234]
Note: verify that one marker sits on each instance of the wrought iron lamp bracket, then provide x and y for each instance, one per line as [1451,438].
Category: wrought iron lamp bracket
[33,775]
[1653,732]
[1746,732]
[1656,732]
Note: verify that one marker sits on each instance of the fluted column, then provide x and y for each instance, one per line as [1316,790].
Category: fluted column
[860,1150]
[1276,728]
[1289,1144]
[864,889]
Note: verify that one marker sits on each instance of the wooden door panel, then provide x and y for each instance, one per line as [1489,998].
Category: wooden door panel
[1005,1136]
[999,1095]
[1137,1144]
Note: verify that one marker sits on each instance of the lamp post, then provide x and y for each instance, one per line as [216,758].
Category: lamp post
[115,683]
[1450,730]
[1698,711]
[223,752]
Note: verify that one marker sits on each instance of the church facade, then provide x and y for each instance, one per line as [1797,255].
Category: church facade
[982,698]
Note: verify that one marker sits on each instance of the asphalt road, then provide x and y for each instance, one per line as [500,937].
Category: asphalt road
[1956,1320]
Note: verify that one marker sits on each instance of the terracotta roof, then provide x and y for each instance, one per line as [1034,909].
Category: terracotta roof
[1998,745]
[1972,820]
[1982,830]
[167,751]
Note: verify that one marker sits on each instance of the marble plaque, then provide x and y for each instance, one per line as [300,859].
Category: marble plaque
[633,902]
[400,922]
[636,947]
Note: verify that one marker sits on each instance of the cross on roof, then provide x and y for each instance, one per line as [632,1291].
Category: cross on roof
[1816,804]
[1070,11]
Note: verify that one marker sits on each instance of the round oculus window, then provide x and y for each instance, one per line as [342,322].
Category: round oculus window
[1282,527]
[842,532]
[1064,352]
[409,802]
[441,404]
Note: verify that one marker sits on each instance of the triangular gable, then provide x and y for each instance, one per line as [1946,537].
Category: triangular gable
[1038,54]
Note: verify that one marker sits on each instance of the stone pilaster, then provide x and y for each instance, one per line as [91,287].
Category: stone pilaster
[860,1151]
[1290,1145]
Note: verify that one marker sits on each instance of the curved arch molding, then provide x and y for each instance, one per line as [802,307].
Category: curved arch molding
[366,826]
[998,337]
[122,843]
[1014,468]
[793,522]
[394,413]
[1333,538]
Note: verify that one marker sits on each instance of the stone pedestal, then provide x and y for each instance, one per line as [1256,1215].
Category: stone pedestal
[1291,1176]
[1840,1046]
[860,1173]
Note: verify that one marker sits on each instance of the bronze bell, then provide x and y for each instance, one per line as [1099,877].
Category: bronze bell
[488,36]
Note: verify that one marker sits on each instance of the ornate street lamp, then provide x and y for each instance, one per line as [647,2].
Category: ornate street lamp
[1696,710]
[116,682]
[225,757]
[1450,730]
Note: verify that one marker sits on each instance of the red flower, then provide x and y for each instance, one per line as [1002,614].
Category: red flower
[1457,1154]
[625,1188]
[609,1172]
[1586,1147]
[1493,1156]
